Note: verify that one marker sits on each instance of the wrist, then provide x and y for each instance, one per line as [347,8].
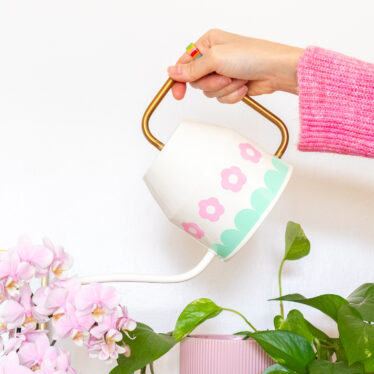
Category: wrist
[286,72]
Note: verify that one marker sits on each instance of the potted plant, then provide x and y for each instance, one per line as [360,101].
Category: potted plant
[294,346]
[92,316]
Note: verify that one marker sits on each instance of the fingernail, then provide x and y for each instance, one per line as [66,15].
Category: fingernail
[242,90]
[175,70]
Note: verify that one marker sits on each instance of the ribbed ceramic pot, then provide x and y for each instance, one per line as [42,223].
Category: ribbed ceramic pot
[222,354]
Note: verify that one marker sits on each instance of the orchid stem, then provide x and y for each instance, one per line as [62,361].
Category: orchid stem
[241,315]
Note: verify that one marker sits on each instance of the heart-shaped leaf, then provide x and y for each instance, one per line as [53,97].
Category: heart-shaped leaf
[362,299]
[328,303]
[193,315]
[328,367]
[277,369]
[286,348]
[295,322]
[146,347]
[297,244]
[357,336]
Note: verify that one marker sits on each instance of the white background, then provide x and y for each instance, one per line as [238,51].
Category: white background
[75,78]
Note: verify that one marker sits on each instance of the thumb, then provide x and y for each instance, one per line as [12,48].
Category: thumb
[191,71]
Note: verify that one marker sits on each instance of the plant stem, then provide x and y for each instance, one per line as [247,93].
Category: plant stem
[143,370]
[280,287]
[151,368]
[241,315]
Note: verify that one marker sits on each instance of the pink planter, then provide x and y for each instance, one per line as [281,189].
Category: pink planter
[222,354]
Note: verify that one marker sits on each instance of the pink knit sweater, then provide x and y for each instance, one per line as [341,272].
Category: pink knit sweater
[336,96]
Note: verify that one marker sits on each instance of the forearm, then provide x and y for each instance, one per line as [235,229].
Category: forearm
[336,96]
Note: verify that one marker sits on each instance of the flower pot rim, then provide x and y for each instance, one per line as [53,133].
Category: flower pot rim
[219,337]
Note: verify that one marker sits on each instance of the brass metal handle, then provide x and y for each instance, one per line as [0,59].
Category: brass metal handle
[248,100]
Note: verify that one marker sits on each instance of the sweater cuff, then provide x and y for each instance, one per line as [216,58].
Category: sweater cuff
[336,100]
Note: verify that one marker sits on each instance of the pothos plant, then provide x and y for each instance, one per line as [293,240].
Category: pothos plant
[295,344]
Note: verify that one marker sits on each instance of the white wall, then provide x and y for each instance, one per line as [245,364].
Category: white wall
[75,78]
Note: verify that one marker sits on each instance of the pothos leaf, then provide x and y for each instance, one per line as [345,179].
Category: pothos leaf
[286,348]
[146,347]
[193,315]
[297,244]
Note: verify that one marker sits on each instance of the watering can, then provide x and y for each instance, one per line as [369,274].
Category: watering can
[212,183]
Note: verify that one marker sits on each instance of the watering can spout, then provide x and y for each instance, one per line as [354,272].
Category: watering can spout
[151,278]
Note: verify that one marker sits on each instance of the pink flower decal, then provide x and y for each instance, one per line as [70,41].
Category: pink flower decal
[233,179]
[211,209]
[193,229]
[249,152]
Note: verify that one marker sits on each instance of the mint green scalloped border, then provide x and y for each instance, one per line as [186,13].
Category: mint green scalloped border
[246,219]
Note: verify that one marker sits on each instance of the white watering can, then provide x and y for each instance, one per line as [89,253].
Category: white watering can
[212,183]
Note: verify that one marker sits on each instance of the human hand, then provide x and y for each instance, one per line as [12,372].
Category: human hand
[234,65]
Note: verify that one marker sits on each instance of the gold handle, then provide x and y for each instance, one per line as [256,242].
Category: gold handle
[246,99]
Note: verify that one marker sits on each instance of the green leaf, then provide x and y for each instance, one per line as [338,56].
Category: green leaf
[295,322]
[277,369]
[369,365]
[244,333]
[357,336]
[193,315]
[362,299]
[297,244]
[317,333]
[320,340]
[328,303]
[328,367]
[339,350]
[286,348]
[146,346]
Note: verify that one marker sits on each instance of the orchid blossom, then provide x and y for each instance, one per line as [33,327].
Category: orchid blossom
[90,315]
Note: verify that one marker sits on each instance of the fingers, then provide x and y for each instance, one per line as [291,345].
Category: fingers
[188,70]
[234,97]
[232,87]
[193,70]
[179,90]
[212,82]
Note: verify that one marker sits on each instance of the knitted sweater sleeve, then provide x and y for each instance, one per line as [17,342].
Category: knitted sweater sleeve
[336,99]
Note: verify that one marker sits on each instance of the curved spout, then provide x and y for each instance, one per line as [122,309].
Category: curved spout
[151,278]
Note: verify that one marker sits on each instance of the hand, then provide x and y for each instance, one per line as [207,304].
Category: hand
[233,66]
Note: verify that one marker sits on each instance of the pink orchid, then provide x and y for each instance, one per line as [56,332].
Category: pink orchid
[61,260]
[109,349]
[63,363]
[12,313]
[48,301]
[13,271]
[97,300]
[125,323]
[60,366]
[37,256]
[20,313]
[73,325]
[53,299]
[34,353]
[89,315]
[108,323]
[10,365]
[13,344]
[3,293]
